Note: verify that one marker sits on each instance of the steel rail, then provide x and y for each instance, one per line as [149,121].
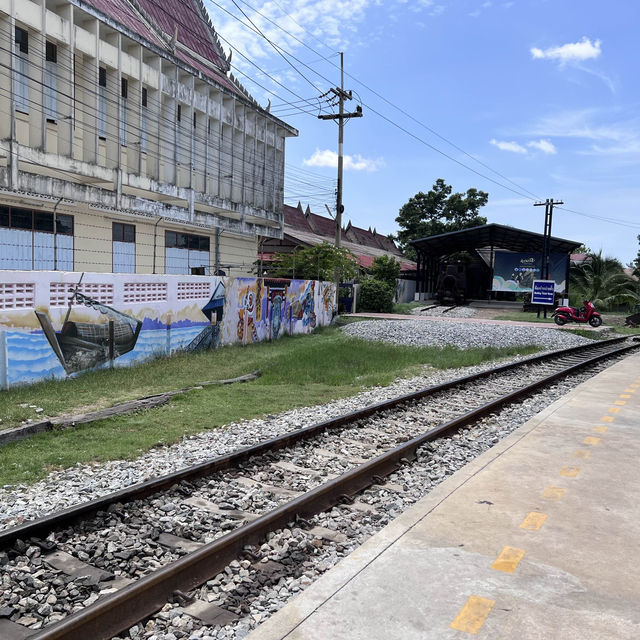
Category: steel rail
[116,613]
[42,526]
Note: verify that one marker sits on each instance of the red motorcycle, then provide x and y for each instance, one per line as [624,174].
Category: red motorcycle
[588,313]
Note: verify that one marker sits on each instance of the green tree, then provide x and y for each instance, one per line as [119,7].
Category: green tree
[315,263]
[635,265]
[439,211]
[386,269]
[603,281]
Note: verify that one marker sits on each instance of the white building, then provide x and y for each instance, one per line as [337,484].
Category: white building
[126,145]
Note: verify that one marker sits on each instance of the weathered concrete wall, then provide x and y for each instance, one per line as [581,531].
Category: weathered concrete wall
[152,315]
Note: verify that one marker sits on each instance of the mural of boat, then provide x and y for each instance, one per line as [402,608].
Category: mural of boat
[83,345]
[209,337]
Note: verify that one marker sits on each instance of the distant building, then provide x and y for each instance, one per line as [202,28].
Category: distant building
[302,228]
[122,119]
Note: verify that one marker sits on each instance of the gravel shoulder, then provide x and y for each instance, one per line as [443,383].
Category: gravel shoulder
[419,333]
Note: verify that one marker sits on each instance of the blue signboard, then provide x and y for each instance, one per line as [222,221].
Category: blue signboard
[542,292]
[515,272]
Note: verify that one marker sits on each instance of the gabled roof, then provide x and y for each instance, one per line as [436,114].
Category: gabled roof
[321,225]
[310,229]
[181,28]
[490,235]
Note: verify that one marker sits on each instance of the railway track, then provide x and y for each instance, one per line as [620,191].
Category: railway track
[127,554]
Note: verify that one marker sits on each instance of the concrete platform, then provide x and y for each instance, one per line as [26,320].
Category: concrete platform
[536,539]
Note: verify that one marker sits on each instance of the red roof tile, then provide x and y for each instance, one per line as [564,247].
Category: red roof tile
[150,18]
[295,218]
[124,14]
[322,226]
[193,30]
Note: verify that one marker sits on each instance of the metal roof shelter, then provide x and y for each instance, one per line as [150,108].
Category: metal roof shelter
[432,249]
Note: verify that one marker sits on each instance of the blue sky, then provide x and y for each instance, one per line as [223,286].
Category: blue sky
[543,92]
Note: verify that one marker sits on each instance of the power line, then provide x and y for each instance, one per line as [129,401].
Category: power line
[522,190]
[276,48]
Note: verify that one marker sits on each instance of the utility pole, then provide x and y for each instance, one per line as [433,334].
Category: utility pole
[341,116]
[546,242]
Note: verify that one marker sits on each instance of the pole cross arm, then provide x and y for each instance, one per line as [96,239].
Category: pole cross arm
[344,116]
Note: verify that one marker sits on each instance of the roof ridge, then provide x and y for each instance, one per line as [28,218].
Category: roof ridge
[215,40]
[151,23]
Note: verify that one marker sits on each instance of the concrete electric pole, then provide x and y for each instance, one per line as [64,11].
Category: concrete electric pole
[546,242]
[341,116]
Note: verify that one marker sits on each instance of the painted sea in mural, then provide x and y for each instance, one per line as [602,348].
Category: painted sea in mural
[30,357]
[55,325]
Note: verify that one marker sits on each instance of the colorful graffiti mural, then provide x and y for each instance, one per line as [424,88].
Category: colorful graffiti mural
[55,324]
[264,309]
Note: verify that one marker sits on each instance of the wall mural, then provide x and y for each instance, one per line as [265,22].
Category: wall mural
[56,324]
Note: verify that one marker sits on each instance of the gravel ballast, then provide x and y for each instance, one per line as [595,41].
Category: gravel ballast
[422,333]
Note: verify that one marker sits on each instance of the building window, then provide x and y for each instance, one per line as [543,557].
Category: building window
[27,239]
[185,253]
[143,121]
[124,94]
[124,247]
[21,70]
[102,102]
[51,82]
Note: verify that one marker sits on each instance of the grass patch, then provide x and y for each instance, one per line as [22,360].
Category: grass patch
[524,316]
[627,331]
[296,371]
[406,307]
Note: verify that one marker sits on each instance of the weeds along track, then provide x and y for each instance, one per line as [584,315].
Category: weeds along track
[95,570]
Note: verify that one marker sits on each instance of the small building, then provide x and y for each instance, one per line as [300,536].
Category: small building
[499,262]
[126,143]
[302,228]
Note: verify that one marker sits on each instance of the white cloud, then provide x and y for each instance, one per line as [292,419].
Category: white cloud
[606,132]
[570,52]
[504,145]
[546,146]
[328,158]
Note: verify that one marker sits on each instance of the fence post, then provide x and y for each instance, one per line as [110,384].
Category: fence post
[4,361]
[111,342]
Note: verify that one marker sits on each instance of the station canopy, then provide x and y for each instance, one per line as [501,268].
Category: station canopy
[497,236]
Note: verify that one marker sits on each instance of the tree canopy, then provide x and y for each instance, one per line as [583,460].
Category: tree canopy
[315,263]
[603,281]
[386,269]
[439,211]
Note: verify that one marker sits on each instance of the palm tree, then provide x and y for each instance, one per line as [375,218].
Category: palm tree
[603,281]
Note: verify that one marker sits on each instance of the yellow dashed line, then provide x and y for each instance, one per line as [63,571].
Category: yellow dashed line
[614,409]
[629,390]
[620,402]
[607,419]
[473,614]
[508,559]
[580,453]
[591,440]
[553,493]
[533,521]
[601,429]
[570,472]
[625,395]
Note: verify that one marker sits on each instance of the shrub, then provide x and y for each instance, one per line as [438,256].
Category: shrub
[375,295]
[386,269]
